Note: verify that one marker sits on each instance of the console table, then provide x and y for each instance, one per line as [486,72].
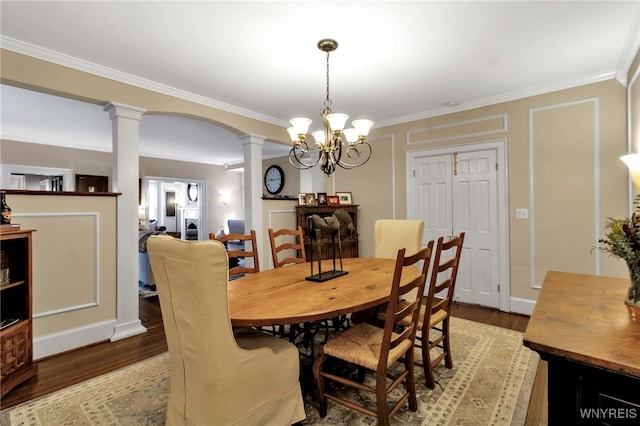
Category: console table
[591,341]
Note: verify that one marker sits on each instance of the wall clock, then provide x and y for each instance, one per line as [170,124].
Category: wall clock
[274,179]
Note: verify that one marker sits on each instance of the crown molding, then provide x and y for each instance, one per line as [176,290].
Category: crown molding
[112,74]
[99,70]
[492,100]
[630,49]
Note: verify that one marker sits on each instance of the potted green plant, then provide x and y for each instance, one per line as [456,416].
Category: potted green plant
[623,241]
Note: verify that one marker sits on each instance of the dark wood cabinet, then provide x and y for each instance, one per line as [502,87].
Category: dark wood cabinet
[349,242]
[589,338]
[16,335]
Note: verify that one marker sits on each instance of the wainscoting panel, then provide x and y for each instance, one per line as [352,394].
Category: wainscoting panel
[564,142]
[74,267]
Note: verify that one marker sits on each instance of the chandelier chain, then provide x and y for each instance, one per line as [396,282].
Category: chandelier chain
[328,101]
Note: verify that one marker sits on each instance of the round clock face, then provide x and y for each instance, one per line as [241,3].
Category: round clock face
[274,179]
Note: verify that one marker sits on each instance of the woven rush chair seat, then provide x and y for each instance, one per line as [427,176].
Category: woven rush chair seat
[361,345]
[435,318]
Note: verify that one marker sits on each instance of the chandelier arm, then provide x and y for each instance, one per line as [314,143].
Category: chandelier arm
[293,155]
[327,165]
[349,166]
[297,154]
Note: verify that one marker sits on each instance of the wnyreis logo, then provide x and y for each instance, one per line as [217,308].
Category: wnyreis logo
[608,413]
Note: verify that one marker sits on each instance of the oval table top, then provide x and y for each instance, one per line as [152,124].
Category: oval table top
[283,296]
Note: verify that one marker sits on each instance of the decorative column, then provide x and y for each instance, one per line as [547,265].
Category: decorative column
[312,180]
[253,187]
[125,123]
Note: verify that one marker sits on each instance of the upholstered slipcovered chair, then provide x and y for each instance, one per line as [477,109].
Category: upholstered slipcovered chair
[390,235]
[218,378]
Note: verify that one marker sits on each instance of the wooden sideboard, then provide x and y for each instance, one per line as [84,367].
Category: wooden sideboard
[16,333]
[591,341]
[349,242]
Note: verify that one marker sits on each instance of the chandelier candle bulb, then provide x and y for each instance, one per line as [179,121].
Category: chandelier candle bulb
[301,125]
[351,135]
[318,135]
[336,121]
[362,127]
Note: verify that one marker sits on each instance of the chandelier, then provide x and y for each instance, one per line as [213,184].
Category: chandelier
[334,145]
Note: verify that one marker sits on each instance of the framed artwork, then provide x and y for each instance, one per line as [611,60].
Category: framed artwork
[311,199]
[170,203]
[344,198]
[333,200]
[321,198]
[302,199]
[90,183]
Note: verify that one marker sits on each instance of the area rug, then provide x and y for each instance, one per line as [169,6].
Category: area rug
[490,384]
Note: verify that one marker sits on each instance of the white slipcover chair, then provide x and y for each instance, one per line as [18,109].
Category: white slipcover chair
[218,378]
[390,235]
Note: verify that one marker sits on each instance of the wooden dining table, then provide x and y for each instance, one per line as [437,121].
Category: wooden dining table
[283,295]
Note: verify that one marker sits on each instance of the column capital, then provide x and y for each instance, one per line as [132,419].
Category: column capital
[252,139]
[117,109]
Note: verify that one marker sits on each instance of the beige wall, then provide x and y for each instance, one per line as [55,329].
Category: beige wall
[572,181]
[575,136]
[74,268]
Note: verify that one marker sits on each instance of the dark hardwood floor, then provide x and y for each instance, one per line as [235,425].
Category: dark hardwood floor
[62,370]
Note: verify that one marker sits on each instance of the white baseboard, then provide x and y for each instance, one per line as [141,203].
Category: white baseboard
[132,328]
[522,306]
[73,338]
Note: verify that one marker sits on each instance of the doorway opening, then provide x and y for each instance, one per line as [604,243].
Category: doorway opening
[177,204]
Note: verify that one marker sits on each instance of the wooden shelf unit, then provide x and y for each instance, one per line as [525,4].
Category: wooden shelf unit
[16,340]
[349,242]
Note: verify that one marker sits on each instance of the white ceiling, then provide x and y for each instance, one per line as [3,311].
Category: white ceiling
[397,61]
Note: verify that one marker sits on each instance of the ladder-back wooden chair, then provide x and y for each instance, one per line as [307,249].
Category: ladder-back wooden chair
[435,313]
[377,349]
[241,253]
[289,240]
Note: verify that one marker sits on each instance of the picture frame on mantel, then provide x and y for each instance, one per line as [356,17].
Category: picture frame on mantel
[344,198]
[333,200]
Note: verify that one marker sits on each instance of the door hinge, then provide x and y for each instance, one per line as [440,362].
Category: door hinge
[498,288]
[496,167]
[414,173]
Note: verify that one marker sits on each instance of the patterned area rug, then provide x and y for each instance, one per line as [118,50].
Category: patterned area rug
[490,384]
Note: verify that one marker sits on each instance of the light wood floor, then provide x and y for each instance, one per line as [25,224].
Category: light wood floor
[62,370]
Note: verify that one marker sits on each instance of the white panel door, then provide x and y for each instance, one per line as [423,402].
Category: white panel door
[433,196]
[458,193]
